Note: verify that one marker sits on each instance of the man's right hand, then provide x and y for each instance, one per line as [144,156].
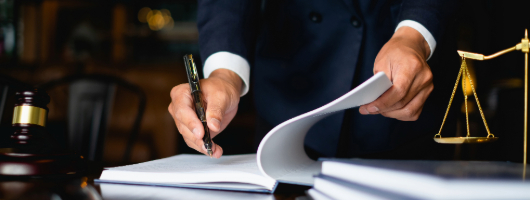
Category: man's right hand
[221,92]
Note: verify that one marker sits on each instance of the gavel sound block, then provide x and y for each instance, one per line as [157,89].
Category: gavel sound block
[31,150]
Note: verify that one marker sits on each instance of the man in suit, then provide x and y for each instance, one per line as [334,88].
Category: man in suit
[304,54]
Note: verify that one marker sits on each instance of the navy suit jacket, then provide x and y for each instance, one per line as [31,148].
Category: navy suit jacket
[306,53]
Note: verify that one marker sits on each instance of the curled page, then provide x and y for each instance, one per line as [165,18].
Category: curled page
[281,154]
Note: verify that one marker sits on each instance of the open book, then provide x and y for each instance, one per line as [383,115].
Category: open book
[280,157]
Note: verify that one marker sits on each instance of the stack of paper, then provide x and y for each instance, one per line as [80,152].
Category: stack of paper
[401,179]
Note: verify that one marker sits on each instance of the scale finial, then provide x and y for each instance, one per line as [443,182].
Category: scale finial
[525,33]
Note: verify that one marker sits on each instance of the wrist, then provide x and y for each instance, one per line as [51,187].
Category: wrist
[228,76]
[416,38]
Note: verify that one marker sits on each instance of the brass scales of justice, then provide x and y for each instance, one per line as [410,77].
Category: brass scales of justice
[464,73]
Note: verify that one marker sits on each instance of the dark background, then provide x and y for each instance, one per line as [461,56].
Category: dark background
[43,40]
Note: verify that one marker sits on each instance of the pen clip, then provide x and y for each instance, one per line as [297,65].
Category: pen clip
[191,70]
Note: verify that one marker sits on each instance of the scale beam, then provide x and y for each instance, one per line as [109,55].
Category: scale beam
[477,56]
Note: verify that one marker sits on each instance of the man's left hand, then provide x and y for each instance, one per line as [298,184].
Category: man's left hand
[403,59]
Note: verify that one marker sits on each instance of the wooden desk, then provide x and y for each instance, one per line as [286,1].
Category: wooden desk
[85,188]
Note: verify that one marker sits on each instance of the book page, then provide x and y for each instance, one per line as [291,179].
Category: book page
[131,192]
[192,169]
[281,154]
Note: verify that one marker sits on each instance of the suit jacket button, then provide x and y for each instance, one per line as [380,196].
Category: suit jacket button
[315,17]
[355,22]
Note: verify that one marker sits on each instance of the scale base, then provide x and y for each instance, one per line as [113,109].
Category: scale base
[462,140]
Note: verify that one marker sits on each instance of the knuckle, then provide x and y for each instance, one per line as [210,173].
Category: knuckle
[431,88]
[189,139]
[408,113]
[179,114]
[414,118]
[382,104]
[174,90]
[172,109]
[177,91]
[189,143]
[400,104]
[415,63]
[189,124]
[401,92]
[411,115]
[429,76]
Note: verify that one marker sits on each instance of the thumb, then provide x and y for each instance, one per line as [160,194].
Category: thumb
[383,66]
[214,114]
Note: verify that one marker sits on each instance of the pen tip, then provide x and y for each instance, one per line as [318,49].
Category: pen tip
[210,153]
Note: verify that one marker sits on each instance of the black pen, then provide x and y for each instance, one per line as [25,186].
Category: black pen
[196,93]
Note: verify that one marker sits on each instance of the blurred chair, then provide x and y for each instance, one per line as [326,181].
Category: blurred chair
[90,101]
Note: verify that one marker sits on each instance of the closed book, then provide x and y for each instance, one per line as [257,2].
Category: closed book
[317,195]
[335,188]
[435,179]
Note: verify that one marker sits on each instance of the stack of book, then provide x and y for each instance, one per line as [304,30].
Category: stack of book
[400,179]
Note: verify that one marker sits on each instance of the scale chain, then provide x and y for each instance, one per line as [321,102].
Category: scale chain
[464,84]
[478,104]
[452,96]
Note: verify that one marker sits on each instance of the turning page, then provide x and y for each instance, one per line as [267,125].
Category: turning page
[281,154]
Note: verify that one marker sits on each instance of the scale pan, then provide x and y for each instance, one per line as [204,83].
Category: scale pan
[461,140]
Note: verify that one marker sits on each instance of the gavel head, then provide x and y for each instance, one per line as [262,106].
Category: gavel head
[30,115]
[30,108]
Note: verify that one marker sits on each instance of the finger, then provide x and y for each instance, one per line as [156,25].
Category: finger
[381,65]
[187,117]
[217,151]
[412,110]
[189,138]
[396,94]
[421,81]
[198,144]
[400,88]
[417,85]
[405,87]
[226,120]
[182,111]
[193,138]
[215,111]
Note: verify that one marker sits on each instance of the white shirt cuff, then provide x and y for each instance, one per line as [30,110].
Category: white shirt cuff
[230,61]
[423,31]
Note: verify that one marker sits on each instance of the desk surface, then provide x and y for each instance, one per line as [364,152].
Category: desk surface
[85,188]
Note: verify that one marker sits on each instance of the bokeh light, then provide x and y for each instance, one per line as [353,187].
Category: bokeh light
[142,14]
[156,19]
